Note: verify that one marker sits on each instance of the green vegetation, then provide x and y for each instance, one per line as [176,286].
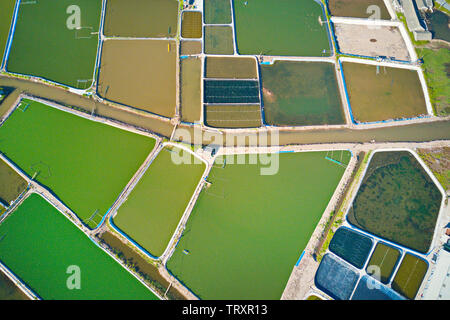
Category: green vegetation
[11,184]
[217,11]
[301,93]
[231,68]
[397,189]
[233,116]
[247,230]
[436,65]
[380,93]
[409,276]
[219,40]
[438,160]
[47,254]
[85,163]
[191,26]
[294,28]
[154,207]
[141,19]
[44,46]
[6,15]
[385,258]
[191,97]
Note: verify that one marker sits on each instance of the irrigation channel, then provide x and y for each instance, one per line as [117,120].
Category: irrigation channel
[405,131]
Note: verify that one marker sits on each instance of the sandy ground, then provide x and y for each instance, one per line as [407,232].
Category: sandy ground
[371,41]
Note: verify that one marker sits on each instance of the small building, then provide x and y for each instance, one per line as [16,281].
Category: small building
[408,7]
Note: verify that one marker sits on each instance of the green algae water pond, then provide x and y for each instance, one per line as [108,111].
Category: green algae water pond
[141,19]
[49,244]
[358,8]
[11,184]
[247,230]
[154,207]
[281,28]
[9,291]
[84,163]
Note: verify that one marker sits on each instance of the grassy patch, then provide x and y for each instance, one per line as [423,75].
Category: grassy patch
[292,28]
[11,183]
[436,66]
[247,230]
